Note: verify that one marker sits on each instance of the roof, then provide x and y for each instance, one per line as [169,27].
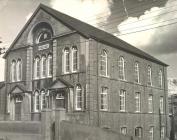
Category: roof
[89,31]
[18,89]
[60,84]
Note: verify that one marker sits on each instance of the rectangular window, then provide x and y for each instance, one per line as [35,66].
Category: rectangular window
[151,133]
[161,105]
[162,132]
[123,130]
[122,100]
[104,99]
[150,104]
[138,132]
[138,101]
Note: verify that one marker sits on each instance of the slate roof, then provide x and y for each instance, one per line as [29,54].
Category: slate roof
[89,31]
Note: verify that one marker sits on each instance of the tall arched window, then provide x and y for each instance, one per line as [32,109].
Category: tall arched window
[104,63]
[160,78]
[43,66]
[36,101]
[19,70]
[78,97]
[36,68]
[13,71]
[121,66]
[137,75]
[43,100]
[49,65]
[66,60]
[149,74]
[74,59]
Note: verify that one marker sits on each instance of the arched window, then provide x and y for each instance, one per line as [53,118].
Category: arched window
[104,63]
[36,68]
[160,78]
[49,65]
[13,71]
[78,97]
[121,66]
[43,36]
[43,100]
[43,66]
[19,70]
[74,59]
[149,74]
[36,101]
[66,60]
[137,74]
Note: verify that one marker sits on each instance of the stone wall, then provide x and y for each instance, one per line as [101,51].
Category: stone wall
[18,130]
[73,131]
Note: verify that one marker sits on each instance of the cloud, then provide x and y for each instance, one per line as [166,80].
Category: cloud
[86,10]
[3,3]
[157,40]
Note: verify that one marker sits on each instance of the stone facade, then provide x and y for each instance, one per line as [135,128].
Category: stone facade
[87,76]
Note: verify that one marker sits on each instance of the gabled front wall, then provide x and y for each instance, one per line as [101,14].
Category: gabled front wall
[114,118]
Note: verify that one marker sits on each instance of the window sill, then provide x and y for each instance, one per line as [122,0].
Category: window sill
[69,73]
[105,76]
[104,110]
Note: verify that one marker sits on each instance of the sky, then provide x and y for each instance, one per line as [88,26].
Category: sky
[149,25]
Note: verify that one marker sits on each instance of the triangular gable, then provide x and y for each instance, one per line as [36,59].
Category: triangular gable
[22,38]
[60,84]
[17,90]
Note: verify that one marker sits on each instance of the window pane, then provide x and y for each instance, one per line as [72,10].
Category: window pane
[44,66]
[149,76]
[160,78]
[49,69]
[161,105]
[78,98]
[66,61]
[121,66]
[122,100]
[104,99]
[75,59]
[103,63]
[137,101]
[136,72]
[124,130]
[13,71]
[151,133]
[150,104]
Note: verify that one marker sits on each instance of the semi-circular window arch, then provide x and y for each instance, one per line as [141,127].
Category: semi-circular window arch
[42,32]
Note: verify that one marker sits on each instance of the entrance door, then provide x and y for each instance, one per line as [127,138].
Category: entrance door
[18,105]
[60,100]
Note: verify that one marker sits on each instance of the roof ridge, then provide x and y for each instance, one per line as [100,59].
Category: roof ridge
[90,31]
